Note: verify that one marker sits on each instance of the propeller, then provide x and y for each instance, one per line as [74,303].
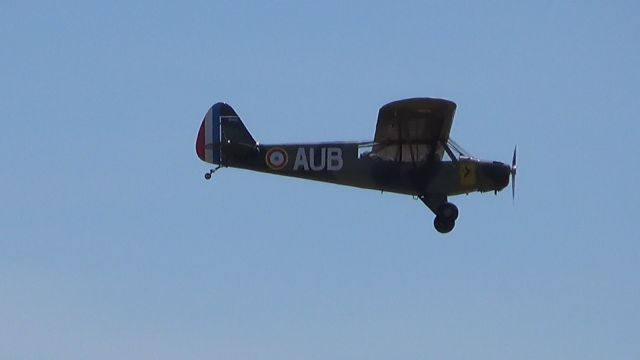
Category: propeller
[513,174]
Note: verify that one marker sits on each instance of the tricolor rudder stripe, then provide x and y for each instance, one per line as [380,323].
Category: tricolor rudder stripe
[208,136]
[208,140]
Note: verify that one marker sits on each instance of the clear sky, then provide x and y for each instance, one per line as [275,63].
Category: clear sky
[112,245]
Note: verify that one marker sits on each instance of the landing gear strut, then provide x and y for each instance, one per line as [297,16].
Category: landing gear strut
[208,174]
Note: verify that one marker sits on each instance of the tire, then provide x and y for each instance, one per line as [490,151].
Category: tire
[448,211]
[443,226]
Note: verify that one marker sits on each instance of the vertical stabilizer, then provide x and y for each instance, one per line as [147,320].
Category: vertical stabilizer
[221,126]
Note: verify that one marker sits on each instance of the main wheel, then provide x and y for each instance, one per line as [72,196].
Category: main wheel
[448,211]
[207,176]
[443,225]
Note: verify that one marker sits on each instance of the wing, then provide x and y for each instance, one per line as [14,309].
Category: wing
[413,130]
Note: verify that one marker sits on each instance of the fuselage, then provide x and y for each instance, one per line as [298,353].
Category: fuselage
[345,163]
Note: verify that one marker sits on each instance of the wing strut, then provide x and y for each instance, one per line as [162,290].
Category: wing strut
[448,150]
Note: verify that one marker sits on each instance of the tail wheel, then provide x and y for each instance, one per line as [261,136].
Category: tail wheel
[443,225]
[448,211]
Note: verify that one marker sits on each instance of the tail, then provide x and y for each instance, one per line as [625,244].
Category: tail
[221,126]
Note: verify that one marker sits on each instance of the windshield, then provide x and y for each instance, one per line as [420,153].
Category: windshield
[458,151]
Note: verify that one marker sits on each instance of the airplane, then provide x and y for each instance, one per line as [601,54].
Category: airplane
[406,156]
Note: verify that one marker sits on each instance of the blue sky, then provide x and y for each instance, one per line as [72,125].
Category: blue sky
[113,246]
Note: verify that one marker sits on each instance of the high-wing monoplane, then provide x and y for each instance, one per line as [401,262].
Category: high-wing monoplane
[411,153]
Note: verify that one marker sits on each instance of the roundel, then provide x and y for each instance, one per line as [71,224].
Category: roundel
[276,158]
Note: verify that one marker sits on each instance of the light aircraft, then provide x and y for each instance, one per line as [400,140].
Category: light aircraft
[406,156]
